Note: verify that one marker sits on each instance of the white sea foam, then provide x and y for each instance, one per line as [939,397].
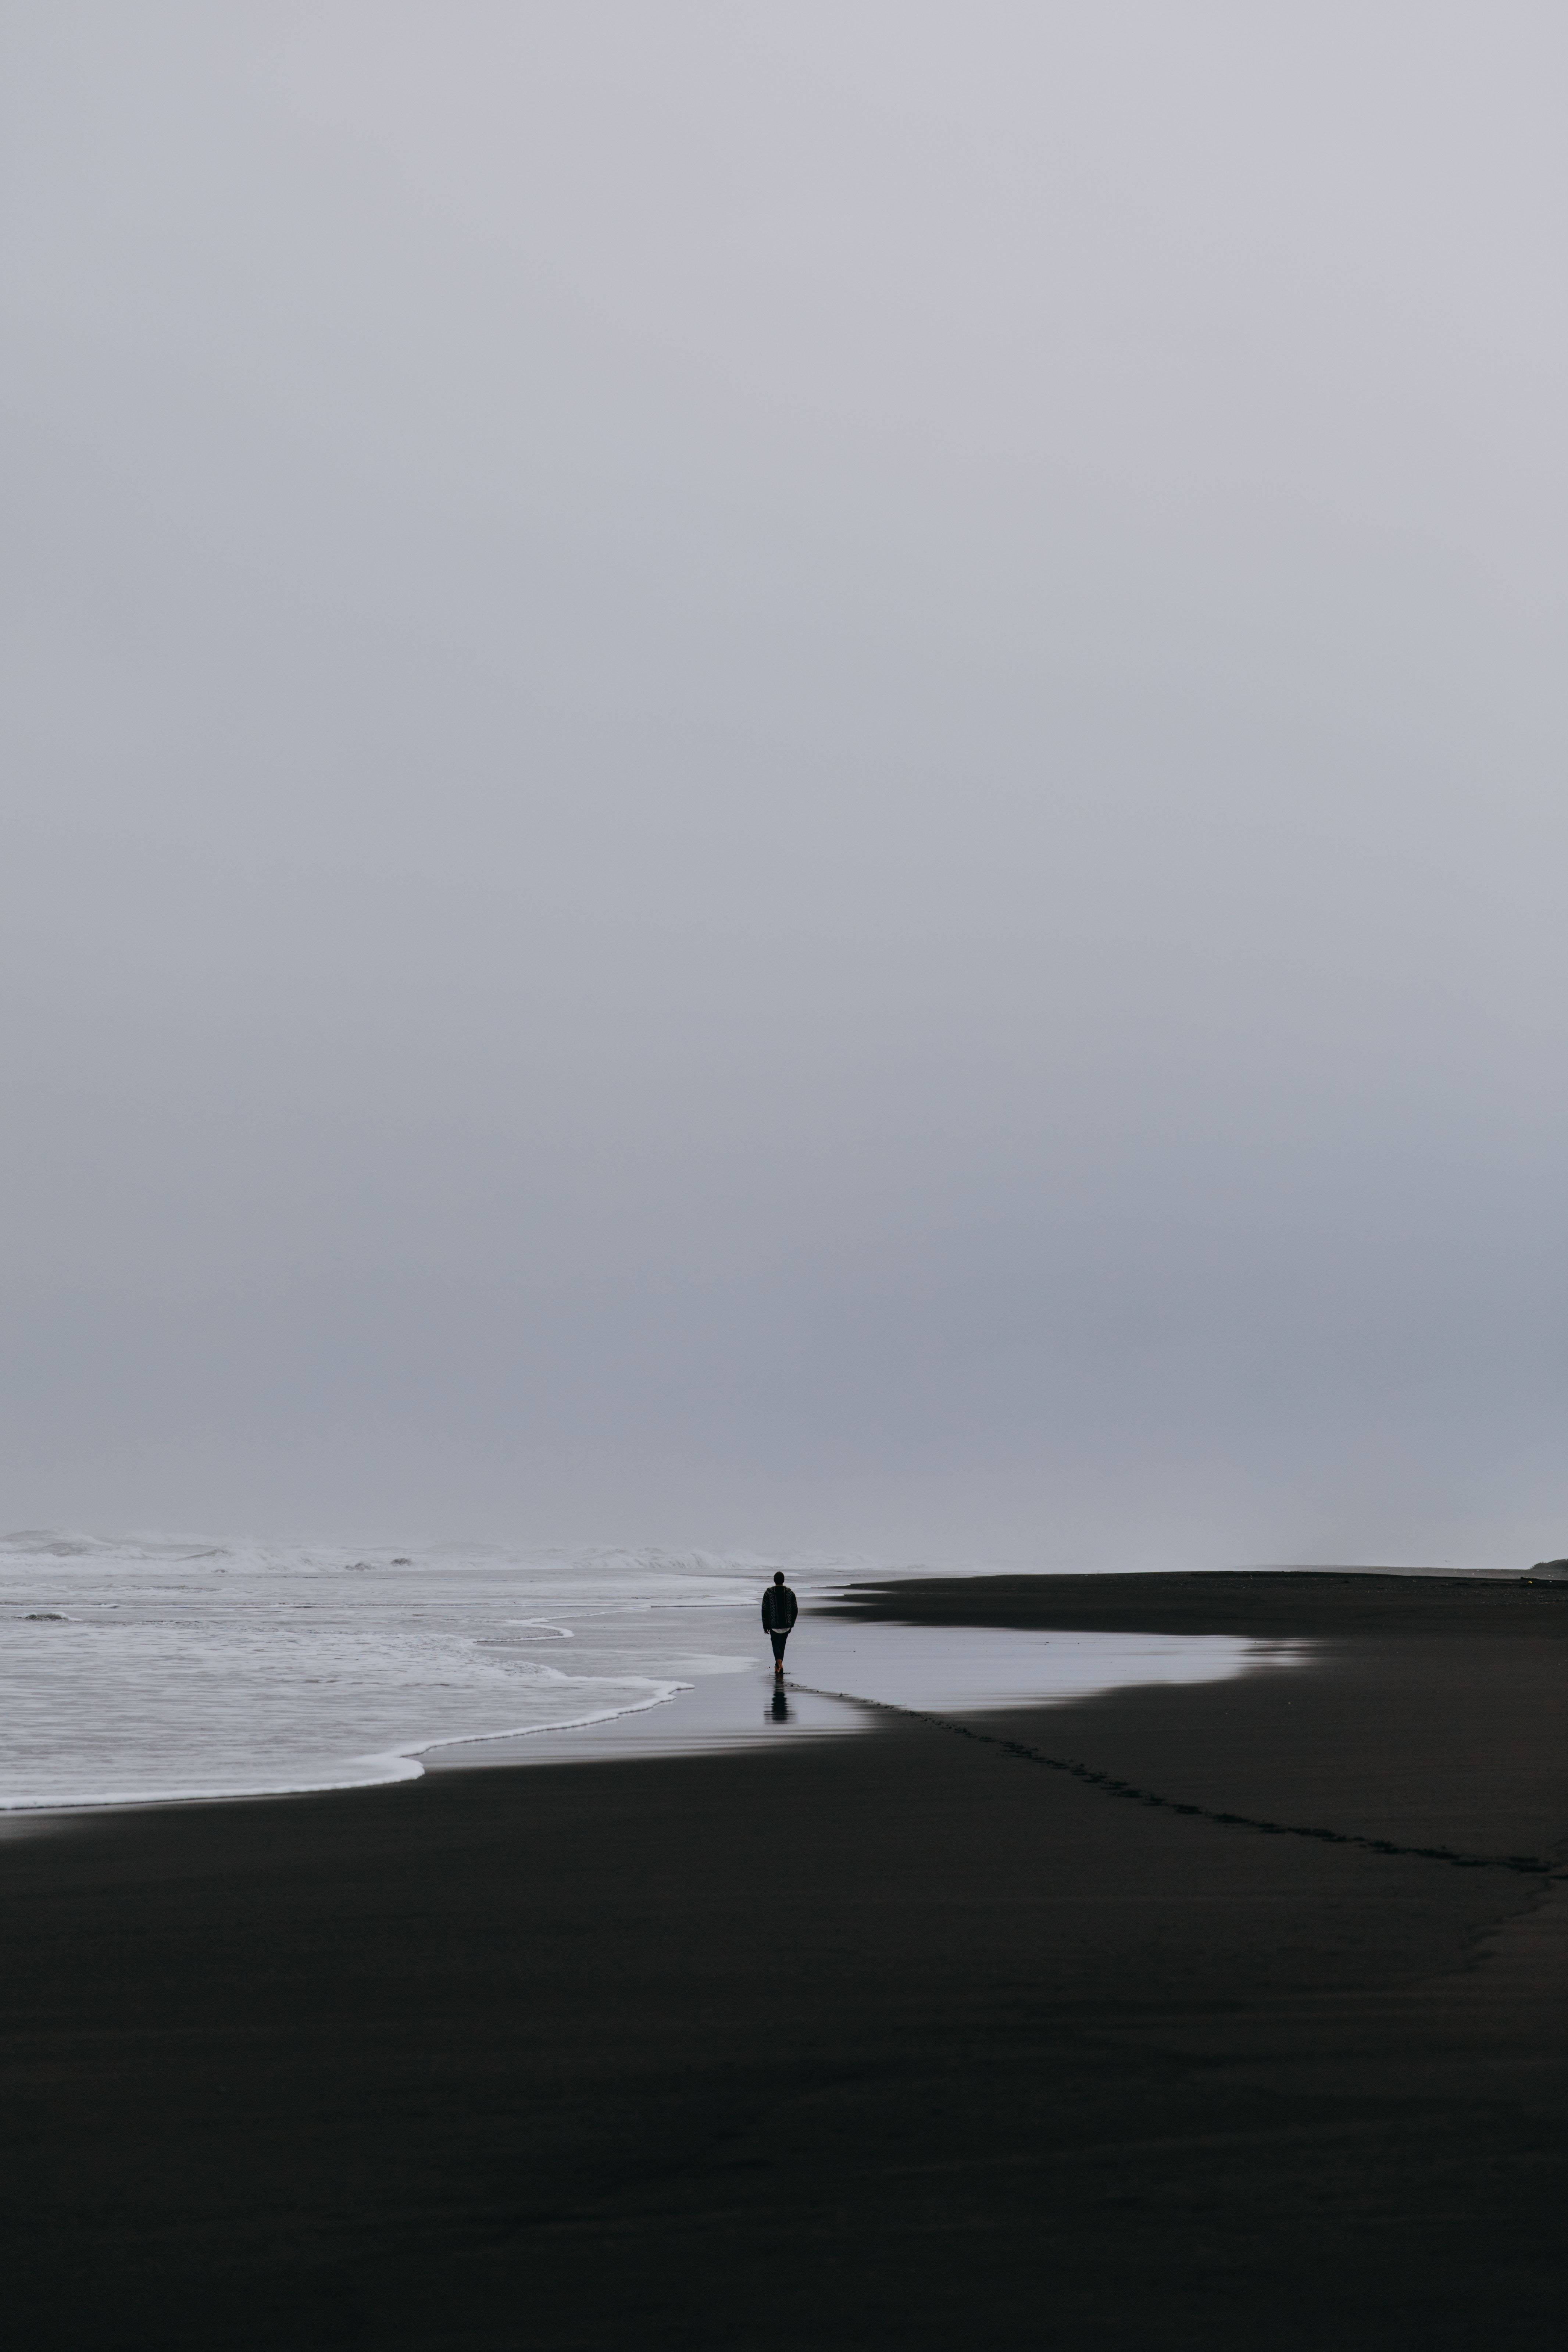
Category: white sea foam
[136,1671]
[152,1669]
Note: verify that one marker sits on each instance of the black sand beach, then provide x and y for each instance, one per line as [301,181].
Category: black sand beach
[918,2039]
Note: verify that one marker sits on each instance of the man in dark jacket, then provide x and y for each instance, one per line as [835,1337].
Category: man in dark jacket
[780,1609]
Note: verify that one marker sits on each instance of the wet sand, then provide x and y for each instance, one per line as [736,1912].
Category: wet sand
[921,2039]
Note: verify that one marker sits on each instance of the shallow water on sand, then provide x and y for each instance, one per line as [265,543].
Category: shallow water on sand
[151,1669]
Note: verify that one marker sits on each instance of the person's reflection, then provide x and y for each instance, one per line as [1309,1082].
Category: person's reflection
[780,1708]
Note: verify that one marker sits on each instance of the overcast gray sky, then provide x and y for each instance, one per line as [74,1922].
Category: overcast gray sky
[788,774]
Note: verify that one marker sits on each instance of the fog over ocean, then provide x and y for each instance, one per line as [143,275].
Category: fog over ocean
[787,779]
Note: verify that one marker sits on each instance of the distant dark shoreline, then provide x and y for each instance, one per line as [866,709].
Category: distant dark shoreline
[1269,1604]
[897,2040]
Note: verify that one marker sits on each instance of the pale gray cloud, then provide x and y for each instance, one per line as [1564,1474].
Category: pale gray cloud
[788,774]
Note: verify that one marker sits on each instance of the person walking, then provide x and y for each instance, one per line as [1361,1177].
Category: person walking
[780,1609]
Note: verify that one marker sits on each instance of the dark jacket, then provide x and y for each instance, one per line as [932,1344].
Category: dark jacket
[780,1609]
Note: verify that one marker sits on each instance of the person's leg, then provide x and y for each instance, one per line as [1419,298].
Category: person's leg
[778,1641]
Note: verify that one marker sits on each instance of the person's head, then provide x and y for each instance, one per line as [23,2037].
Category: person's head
[778,1576]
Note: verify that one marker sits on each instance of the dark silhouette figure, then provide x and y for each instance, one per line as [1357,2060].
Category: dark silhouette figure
[780,1609]
[780,1704]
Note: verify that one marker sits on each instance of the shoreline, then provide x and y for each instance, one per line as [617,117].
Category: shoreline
[686,1708]
[544,2055]
[412,1757]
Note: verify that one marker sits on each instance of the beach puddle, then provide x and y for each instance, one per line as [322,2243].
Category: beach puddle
[840,1674]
